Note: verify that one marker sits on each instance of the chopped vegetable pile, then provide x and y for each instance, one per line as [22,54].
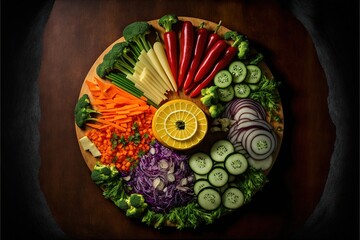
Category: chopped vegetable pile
[164,178]
[123,149]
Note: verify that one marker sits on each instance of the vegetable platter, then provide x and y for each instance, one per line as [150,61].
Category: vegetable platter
[178,131]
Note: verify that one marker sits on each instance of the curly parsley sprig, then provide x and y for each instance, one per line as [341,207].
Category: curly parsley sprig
[268,96]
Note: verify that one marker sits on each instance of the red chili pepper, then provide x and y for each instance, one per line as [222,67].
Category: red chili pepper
[170,42]
[210,59]
[229,54]
[213,38]
[186,50]
[201,38]
[189,88]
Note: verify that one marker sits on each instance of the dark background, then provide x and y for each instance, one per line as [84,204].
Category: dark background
[333,26]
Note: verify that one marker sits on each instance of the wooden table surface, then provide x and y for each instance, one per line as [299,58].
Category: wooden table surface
[77,32]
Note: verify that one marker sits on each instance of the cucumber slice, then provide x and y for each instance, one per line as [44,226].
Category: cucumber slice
[242,90]
[221,149]
[236,163]
[218,177]
[198,176]
[253,87]
[253,74]
[232,198]
[238,70]
[200,184]
[226,94]
[223,79]
[200,163]
[219,164]
[209,198]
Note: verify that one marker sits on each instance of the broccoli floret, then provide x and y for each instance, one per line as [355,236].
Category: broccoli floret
[209,96]
[136,33]
[134,212]
[83,102]
[83,111]
[209,99]
[137,200]
[102,174]
[123,203]
[235,36]
[240,42]
[244,49]
[209,90]
[119,58]
[167,21]
[137,205]
[104,68]
[216,109]
[115,52]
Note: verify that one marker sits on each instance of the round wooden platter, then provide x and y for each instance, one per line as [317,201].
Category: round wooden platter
[209,138]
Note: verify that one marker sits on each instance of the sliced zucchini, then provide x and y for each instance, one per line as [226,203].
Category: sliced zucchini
[221,149]
[198,176]
[236,163]
[238,70]
[223,79]
[200,163]
[253,74]
[242,90]
[232,198]
[218,177]
[219,164]
[253,87]
[209,198]
[200,184]
[226,94]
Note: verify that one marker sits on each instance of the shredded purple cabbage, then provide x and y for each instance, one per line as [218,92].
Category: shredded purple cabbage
[164,178]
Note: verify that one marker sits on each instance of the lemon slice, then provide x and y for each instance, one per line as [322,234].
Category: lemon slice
[179,124]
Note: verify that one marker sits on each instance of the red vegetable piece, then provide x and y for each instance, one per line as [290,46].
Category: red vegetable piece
[210,59]
[213,38]
[201,39]
[186,50]
[170,40]
[229,54]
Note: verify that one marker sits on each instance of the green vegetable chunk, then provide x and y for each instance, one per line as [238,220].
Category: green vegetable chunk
[83,111]
[136,33]
[209,96]
[216,110]
[137,200]
[167,21]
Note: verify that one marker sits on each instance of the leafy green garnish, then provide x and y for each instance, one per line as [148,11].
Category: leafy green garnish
[187,216]
[192,215]
[250,182]
[268,96]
